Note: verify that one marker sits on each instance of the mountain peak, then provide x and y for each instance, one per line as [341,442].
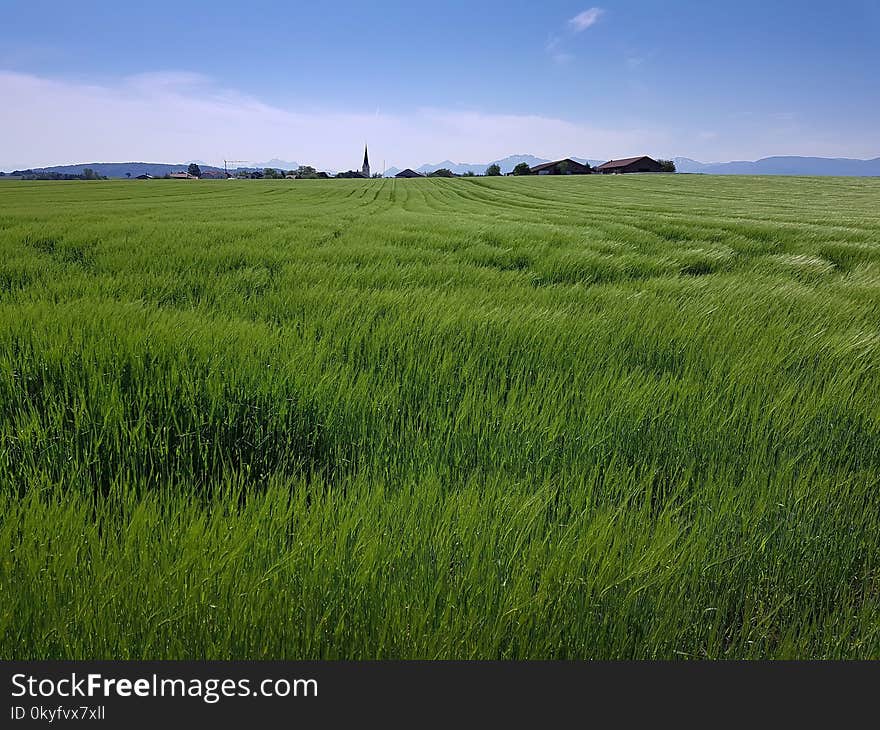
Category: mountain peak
[785,165]
[775,165]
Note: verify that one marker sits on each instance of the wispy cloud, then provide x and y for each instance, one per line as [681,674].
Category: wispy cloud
[554,48]
[172,117]
[579,23]
[586,19]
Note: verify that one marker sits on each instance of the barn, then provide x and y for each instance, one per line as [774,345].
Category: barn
[630,164]
[408,173]
[561,167]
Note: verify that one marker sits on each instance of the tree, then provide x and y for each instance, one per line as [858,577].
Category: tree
[666,165]
[306,172]
[442,172]
[128,174]
[194,170]
[468,173]
[493,170]
[90,174]
[270,173]
[522,169]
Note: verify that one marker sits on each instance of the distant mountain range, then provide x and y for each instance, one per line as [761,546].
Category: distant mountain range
[844,167]
[506,164]
[156,169]
[767,166]
[840,166]
[275,164]
[124,169]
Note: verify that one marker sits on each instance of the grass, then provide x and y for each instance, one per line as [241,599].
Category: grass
[628,417]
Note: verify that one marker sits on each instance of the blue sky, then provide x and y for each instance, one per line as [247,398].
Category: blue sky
[423,82]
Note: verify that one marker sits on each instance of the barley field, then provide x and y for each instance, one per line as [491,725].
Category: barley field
[586,417]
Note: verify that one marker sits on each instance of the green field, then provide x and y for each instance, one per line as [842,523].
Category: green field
[591,417]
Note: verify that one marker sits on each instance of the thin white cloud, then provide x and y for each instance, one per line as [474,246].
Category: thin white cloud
[555,49]
[579,23]
[586,19]
[173,117]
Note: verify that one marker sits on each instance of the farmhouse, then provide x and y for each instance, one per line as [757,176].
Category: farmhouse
[562,167]
[408,173]
[182,176]
[630,164]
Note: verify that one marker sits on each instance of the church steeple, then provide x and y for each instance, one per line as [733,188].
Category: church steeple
[366,167]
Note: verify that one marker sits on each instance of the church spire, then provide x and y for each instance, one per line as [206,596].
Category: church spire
[366,167]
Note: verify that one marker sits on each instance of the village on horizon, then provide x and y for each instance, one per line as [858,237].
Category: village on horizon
[194,170]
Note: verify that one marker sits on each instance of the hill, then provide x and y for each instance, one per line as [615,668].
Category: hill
[785,165]
[156,169]
[506,164]
[124,169]
[777,165]
[479,168]
[275,164]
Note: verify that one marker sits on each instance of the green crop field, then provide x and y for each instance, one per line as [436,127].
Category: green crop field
[587,417]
